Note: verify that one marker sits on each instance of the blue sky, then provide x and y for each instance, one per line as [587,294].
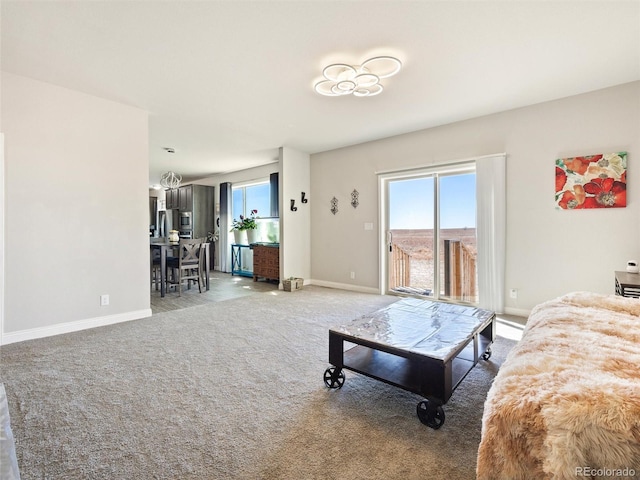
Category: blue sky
[257,197]
[411,202]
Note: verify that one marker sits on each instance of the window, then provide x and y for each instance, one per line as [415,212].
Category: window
[251,197]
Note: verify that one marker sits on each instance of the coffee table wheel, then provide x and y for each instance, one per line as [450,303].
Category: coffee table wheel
[430,415]
[333,378]
[487,355]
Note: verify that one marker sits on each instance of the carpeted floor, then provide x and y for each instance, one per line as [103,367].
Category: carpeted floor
[230,390]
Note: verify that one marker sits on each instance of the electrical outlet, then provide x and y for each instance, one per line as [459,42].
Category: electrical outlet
[513,293]
[353,275]
[104,300]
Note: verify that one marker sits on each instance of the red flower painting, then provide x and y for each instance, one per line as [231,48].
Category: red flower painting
[605,192]
[573,200]
[593,181]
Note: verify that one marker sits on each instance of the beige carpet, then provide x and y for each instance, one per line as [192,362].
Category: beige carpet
[231,390]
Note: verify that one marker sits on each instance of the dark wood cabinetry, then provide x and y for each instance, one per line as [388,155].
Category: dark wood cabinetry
[194,202]
[172,199]
[153,209]
[185,198]
[266,261]
[180,198]
[201,203]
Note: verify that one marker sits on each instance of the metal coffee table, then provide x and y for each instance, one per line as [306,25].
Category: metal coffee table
[422,346]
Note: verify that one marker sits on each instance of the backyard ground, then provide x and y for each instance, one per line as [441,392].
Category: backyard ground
[419,245]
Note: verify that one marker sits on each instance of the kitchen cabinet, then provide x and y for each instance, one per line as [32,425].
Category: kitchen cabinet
[200,202]
[172,198]
[266,261]
[153,213]
[185,198]
[192,210]
[180,198]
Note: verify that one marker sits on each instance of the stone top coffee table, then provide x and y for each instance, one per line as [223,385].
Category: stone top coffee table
[422,346]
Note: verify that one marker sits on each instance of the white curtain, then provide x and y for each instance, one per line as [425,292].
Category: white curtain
[491,224]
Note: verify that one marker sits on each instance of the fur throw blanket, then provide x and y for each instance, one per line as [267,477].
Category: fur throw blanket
[566,401]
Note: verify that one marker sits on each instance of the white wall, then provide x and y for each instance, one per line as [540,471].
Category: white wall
[339,243]
[76,170]
[549,251]
[295,227]
[76,202]
[2,249]
[260,173]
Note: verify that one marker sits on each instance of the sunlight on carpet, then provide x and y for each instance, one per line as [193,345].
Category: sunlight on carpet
[508,329]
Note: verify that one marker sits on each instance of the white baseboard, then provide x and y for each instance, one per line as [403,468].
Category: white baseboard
[517,311]
[68,327]
[344,286]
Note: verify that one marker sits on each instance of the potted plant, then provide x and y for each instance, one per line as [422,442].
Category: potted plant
[247,224]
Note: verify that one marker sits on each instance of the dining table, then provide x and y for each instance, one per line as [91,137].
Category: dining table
[166,247]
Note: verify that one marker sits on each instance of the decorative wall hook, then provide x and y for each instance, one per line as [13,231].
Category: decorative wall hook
[334,205]
[354,198]
[293,206]
[304,200]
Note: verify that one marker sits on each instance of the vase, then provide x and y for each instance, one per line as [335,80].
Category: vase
[252,235]
[239,237]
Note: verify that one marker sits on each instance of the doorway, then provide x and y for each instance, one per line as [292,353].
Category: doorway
[430,224]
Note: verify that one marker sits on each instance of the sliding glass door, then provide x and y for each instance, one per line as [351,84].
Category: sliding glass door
[431,233]
[458,251]
[411,234]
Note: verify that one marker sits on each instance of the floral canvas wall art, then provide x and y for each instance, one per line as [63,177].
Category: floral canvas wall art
[593,181]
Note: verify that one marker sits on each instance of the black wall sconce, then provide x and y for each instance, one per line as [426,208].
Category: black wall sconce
[354,198]
[334,205]
[303,199]
[293,206]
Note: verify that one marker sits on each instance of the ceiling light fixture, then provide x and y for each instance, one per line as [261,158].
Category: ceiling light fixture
[170,180]
[358,80]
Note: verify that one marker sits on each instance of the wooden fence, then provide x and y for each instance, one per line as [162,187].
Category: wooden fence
[459,271]
[400,275]
[458,275]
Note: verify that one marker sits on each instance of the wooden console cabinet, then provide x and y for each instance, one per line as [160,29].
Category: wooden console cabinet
[266,261]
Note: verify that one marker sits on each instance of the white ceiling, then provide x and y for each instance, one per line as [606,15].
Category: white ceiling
[228,82]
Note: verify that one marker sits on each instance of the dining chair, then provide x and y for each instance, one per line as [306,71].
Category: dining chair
[155,261]
[203,259]
[155,267]
[187,265]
